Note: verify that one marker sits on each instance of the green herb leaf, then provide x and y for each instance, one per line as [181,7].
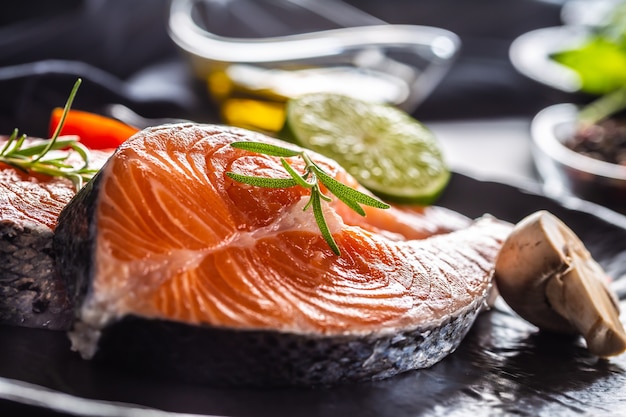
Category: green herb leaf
[347,194]
[10,141]
[57,131]
[264,182]
[265,148]
[38,149]
[37,158]
[299,179]
[310,179]
[318,213]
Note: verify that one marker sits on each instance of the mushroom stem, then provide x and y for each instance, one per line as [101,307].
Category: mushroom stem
[546,275]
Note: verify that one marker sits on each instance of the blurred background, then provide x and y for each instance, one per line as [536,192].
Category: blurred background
[479,88]
[124,54]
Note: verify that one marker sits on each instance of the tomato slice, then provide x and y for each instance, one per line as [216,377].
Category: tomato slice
[95,131]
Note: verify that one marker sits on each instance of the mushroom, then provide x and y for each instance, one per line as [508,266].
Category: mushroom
[548,277]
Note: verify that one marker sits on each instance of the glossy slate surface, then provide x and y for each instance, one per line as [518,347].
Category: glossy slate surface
[503,367]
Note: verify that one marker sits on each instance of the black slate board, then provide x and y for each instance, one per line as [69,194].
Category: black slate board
[503,367]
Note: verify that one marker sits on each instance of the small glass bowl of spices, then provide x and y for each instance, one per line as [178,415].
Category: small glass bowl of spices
[604,140]
[581,158]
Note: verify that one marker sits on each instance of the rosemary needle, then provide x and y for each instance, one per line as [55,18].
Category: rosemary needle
[311,178]
[39,158]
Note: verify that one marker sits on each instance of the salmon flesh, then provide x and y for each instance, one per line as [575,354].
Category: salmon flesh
[32,293]
[175,266]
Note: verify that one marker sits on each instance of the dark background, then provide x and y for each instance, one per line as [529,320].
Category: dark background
[122,51]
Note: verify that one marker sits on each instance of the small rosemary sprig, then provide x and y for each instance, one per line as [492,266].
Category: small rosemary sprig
[38,158]
[311,178]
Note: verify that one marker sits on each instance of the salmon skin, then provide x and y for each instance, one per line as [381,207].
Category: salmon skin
[32,293]
[177,269]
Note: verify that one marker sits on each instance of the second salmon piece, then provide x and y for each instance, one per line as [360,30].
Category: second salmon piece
[31,291]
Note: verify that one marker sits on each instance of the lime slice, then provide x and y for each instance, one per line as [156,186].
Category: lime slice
[385,149]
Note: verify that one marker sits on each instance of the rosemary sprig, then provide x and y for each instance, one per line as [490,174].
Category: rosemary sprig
[38,158]
[311,178]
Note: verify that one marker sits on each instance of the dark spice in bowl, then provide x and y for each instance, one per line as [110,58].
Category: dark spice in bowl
[604,140]
[575,153]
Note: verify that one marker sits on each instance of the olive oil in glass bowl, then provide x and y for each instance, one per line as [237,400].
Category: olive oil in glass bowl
[253,55]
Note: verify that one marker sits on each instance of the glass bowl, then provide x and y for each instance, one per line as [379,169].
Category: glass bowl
[255,54]
[588,13]
[566,172]
[531,53]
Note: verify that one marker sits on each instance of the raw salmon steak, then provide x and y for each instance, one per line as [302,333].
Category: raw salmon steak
[180,270]
[31,292]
